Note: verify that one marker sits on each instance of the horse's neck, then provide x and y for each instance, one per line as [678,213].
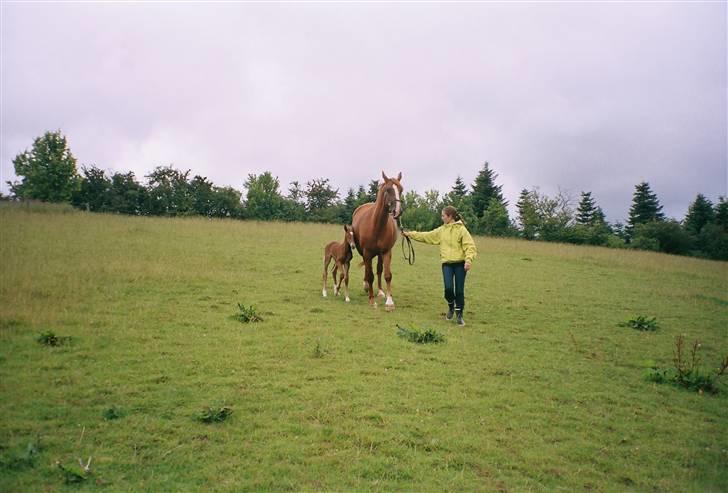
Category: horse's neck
[380,215]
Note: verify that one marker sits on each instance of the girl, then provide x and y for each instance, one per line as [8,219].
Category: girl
[457,252]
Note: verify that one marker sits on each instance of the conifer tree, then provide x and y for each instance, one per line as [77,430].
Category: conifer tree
[459,189]
[699,214]
[372,191]
[586,211]
[527,215]
[484,189]
[721,213]
[645,208]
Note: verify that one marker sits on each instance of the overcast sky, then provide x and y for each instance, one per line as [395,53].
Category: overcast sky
[581,96]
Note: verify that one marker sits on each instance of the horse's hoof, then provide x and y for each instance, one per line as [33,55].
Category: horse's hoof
[324,293]
[389,308]
[381,294]
[347,299]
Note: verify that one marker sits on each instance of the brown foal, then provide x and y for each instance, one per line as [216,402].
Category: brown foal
[341,254]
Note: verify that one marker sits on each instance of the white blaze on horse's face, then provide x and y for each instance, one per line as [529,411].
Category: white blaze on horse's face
[396,190]
[398,203]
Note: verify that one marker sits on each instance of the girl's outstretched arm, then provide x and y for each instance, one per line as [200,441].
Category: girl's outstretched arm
[430,237]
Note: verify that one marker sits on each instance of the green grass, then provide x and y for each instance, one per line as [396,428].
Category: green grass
[541,391]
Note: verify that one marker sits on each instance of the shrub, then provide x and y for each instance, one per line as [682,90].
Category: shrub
[247,314]
[426,337]
[686,372]
[49,338]
[214,414]
[318,351]
[112,413]
[76,474]
[642,323]
[22,460]
[662,236]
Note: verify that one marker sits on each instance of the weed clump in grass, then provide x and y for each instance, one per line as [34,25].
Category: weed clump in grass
[427,337]
[49,338]
[687,373]
[214,414]
[641,322]
[73,473]
[318,351]
[112,413]
[23,460]
[247,314]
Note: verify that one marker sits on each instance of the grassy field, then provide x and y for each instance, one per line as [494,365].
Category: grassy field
[541,391]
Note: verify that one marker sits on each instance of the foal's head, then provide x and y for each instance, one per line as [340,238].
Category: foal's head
[349,236]
[391,190]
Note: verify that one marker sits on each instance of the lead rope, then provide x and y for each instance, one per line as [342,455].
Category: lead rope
[409,254]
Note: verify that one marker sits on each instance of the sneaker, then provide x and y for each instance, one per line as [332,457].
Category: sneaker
[450,313]
[461,322]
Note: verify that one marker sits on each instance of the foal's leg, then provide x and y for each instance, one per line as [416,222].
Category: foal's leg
[327,260]
[389,304]
[337,279]
[379,276]
[346,280]
[333,275]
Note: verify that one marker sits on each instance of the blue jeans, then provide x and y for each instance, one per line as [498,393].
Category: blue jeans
[454,277]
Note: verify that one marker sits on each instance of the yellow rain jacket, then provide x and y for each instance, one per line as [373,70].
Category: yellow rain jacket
[456,244]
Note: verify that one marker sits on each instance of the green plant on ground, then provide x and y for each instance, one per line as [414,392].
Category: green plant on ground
[640,322]
[214,414]
[428,336]
[318,351]
[112,413]
[22,460]
[247,314]
[686,371]
[73,473]
[49,338]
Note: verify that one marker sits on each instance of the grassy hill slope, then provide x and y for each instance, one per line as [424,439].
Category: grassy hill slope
[541,391]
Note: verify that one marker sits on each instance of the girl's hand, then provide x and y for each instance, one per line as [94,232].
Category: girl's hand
[467,266]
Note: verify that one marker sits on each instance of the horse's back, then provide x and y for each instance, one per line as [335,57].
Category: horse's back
[359,213]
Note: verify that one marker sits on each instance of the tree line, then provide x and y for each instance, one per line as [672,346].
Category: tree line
[48,172]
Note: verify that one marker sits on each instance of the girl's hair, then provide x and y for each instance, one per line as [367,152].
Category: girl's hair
[453,213]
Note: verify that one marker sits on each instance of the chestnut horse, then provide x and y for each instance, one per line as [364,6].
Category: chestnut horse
[375,233]
[341,254]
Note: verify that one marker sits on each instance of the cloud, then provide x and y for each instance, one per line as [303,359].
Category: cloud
[578,96]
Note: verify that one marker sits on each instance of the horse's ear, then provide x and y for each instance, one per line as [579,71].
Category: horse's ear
[384,176]
[346,227]
[399,176]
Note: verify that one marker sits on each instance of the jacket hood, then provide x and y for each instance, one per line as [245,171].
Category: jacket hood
[452,225]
